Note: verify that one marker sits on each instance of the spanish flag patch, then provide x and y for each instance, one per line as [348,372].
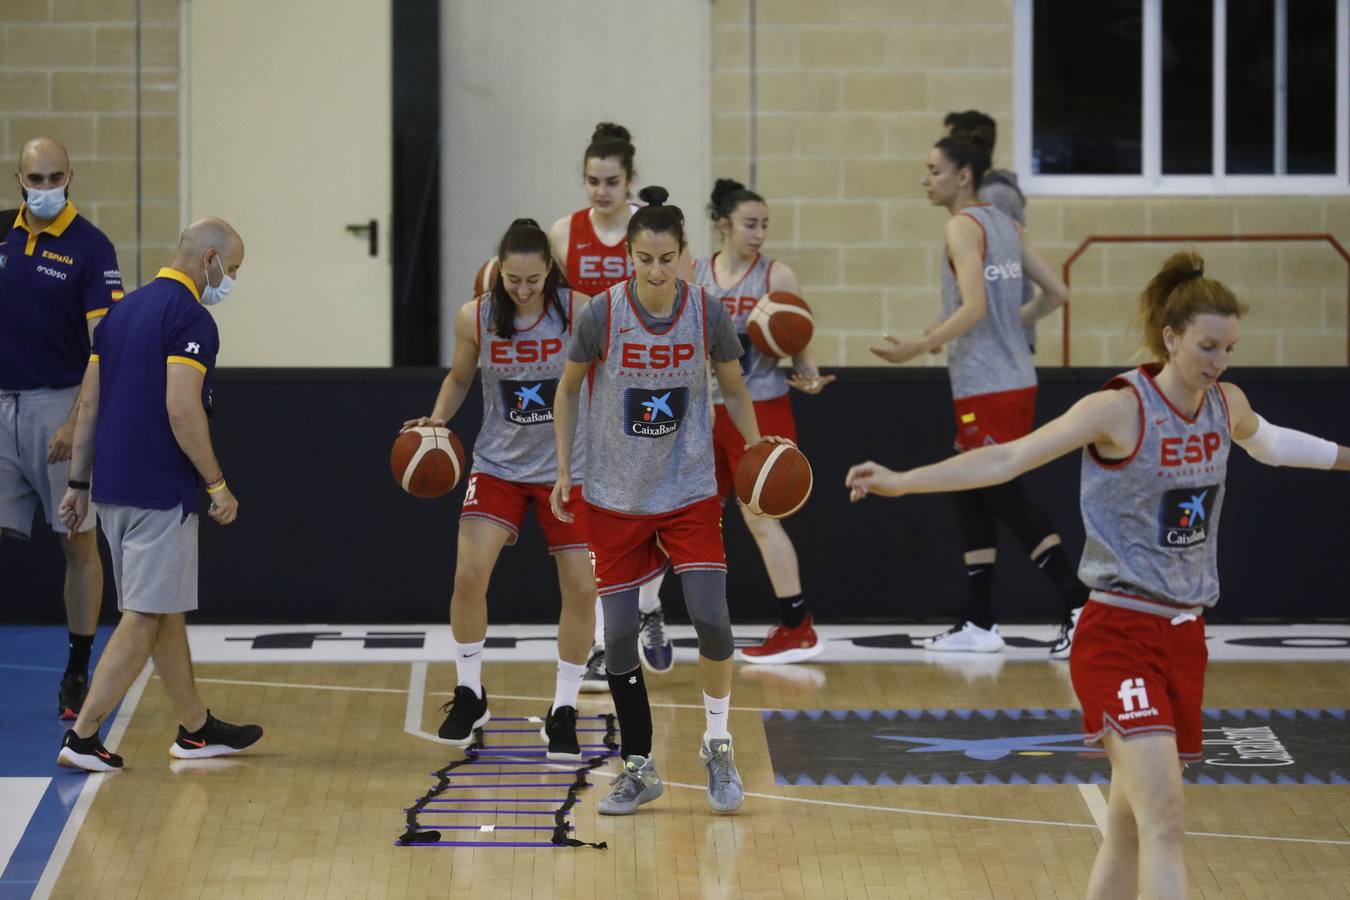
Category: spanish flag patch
[116,295]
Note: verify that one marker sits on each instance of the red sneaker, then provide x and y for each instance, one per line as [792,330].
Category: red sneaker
[786,645]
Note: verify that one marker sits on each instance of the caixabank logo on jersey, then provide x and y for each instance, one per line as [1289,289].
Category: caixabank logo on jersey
[529,402]
[1039,746]
[1184,515]
[654,413]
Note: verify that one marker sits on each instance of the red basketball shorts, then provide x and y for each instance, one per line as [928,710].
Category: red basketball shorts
[632,550]
[994,418]
[503,503]
[1136,673]
[774,418]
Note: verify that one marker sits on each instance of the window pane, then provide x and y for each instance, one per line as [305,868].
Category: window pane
[1251,87]
[1311,121]
[1087,94]
[1187,88]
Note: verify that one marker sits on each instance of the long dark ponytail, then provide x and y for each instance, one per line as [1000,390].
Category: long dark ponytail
[525,236]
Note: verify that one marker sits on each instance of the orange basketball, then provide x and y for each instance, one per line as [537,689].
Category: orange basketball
[773,480]
[781,324]
[487,274]
[427,461]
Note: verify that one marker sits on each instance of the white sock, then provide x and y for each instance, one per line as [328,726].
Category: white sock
[715,711]
[568,684]
[599,623]
[649,595]
[469,666]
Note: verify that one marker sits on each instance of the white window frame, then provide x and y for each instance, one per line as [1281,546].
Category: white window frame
[1152,182]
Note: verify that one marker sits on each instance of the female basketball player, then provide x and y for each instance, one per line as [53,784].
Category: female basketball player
[590,247]
[993,381]
[739,275]
[650,489]
[1156,444]
[516,334]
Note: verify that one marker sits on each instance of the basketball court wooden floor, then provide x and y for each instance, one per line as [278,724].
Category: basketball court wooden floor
[914,779]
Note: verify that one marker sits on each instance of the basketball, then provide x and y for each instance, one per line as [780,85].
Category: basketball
[781,324]
[773,480]
[427,462]
[487,274]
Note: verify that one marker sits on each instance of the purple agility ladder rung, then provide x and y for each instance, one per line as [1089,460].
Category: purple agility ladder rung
[437,825]
[527,719]
[479,844]
[493,787]
[493,812]
[531,730]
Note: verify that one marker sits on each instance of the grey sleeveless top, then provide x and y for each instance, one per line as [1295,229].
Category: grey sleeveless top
[993,356]
[762,374]
[649,433]
[1152,519]
[520,378]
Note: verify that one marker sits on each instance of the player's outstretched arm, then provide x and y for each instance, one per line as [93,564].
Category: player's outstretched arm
[1108,419]
[1276,446]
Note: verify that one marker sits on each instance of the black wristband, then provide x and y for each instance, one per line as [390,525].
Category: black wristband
[78,485]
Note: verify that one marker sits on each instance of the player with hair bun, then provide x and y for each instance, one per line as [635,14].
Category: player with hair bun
[738,275]
[988,259]
[1155,445]
[643,349]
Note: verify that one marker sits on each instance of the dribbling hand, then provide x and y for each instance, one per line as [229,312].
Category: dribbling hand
[809,384]
[772,439]
[423,422]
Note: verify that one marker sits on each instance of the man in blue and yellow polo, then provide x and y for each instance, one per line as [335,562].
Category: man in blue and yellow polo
[143,443]
[59,276]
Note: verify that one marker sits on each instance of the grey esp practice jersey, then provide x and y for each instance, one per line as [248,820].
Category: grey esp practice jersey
[993,356]
[1001,191]
[763,376]
[1152,519]
[649,431]
[520,379]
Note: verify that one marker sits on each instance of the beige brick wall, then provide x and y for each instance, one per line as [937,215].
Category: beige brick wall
[67,71]
[851,95]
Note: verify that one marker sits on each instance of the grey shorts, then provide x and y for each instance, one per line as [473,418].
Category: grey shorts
[154,557]
[28,419]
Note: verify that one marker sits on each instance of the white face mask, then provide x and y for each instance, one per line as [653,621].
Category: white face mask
[45,204]
[213,294]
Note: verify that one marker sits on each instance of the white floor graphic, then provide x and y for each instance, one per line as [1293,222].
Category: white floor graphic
[844,643]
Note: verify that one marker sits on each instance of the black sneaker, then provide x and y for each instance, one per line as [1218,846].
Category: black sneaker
[87,753]
[594,680]
[467,713]
[560,730]
[215,738]
[74,688]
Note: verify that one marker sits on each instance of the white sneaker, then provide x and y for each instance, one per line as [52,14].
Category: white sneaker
[966,638]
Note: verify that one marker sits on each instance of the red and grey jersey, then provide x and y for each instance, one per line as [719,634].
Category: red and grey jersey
[992,357]
[763,376]
[649,433]
[593,267]
[520,380]
[1152,519]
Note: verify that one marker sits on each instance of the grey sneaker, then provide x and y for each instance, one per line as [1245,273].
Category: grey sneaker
[637,784]
[594,681]
[725,793]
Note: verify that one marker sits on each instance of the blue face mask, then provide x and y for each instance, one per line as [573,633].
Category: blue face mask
[45,204]
[216,293]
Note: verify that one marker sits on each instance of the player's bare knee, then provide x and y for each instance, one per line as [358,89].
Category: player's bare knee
[80,547]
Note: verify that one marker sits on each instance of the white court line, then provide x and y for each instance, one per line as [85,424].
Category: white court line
[421,690]
[19,799]
[66,841]
[1096,804]
[412,724]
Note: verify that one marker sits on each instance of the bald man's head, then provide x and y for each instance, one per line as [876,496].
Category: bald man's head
[207,249]
[44,165]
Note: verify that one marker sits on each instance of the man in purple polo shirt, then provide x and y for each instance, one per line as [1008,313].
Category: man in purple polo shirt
[142,440]
[59,276]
